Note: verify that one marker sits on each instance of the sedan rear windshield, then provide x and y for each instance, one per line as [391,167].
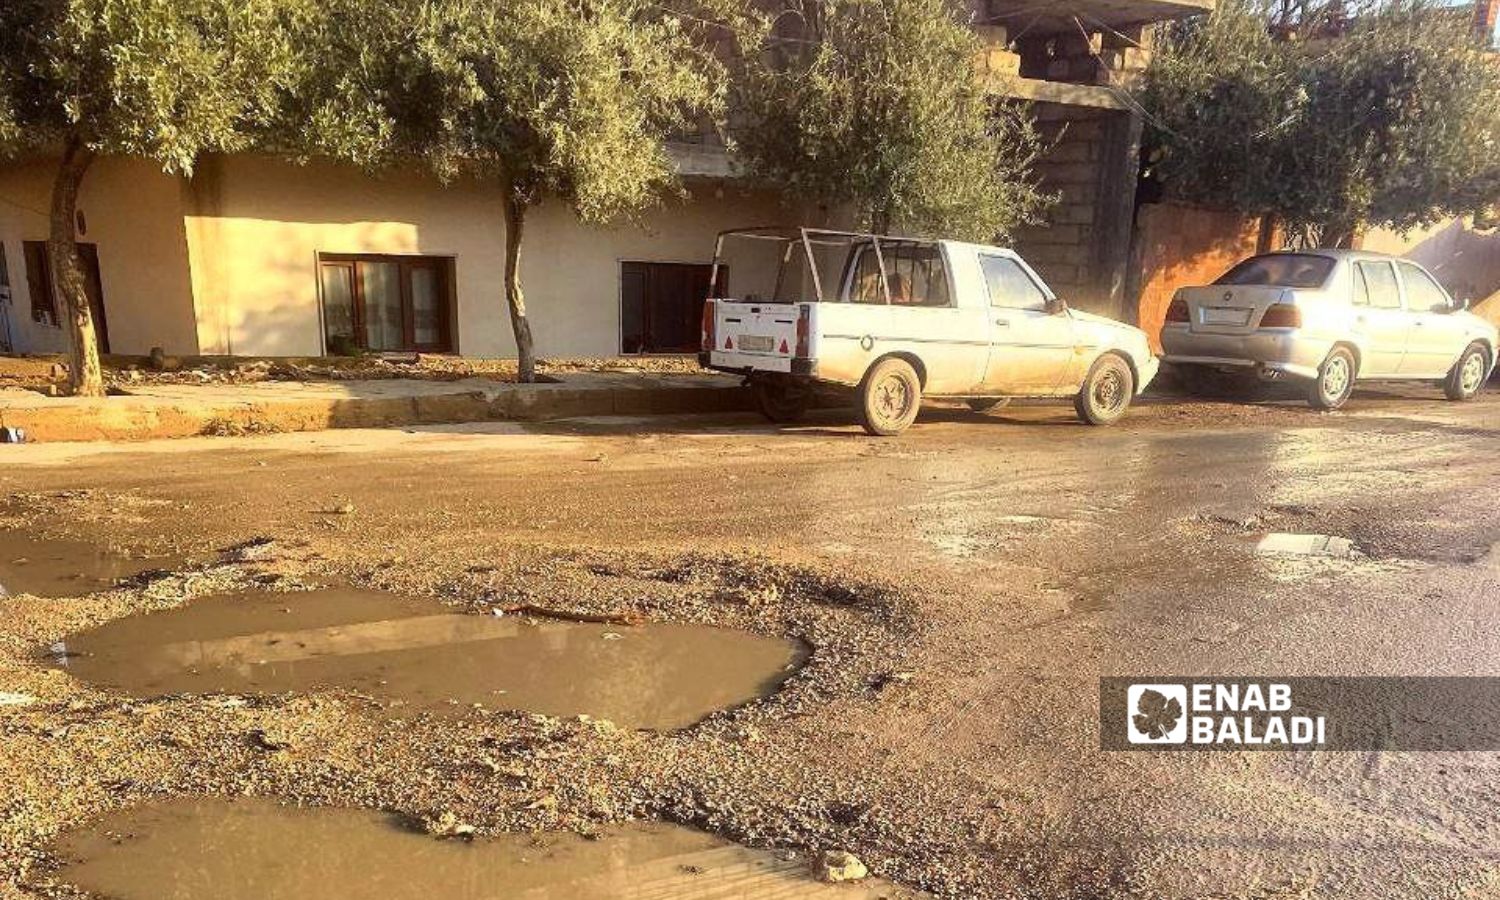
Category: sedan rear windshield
[1293,270]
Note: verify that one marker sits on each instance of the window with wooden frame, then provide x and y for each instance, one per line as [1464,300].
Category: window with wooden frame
[386,303]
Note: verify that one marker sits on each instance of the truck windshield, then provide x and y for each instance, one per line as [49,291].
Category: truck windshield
[1293,270]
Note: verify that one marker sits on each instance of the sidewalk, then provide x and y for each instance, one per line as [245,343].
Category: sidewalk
[162,411]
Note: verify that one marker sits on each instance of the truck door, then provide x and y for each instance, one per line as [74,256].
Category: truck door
[1031,351]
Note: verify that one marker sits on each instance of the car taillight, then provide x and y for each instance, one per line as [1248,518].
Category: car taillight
[1177,310]
[804,336]
[710,338]
[1281,316]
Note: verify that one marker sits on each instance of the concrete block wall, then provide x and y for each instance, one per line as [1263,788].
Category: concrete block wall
[995,55]
[1064,249]
[1077,57]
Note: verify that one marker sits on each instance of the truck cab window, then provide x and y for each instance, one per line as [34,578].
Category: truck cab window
[915,273]
[1009,285]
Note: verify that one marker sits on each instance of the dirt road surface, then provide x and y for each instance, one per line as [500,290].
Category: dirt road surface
[962,589]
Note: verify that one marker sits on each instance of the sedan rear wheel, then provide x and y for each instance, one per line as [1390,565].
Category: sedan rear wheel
[1335,381]
[889,398]
[1467,377]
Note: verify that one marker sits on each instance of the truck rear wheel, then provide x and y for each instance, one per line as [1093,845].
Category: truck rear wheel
[780,401]
[889,398]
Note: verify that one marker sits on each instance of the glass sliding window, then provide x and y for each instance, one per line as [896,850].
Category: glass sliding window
[386,303]
[338,306]
[380,285]
[426,307]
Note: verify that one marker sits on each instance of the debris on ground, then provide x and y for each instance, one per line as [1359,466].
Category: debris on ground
[840,865]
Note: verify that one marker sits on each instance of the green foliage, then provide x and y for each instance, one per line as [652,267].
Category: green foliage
[1390,118]
[566,98]
[162,79]
[876,104]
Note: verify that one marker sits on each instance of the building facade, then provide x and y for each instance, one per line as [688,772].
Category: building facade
[255,256]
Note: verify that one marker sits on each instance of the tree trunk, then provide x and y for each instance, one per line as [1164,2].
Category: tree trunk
[84,376]
[515,226]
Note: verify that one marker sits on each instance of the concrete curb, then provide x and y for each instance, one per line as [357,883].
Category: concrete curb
[145,417]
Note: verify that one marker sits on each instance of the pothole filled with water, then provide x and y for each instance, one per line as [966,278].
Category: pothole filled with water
[415,655]
[52,567]
[255,849]
[1318,546]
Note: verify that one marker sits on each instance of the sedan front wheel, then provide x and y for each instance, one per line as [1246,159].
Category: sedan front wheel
[1467,378]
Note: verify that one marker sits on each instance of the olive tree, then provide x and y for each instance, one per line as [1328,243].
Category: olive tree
[1388,117]
[875,105]
[163,80]
[571,100]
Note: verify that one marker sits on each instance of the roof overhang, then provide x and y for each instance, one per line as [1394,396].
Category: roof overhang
[1030,17]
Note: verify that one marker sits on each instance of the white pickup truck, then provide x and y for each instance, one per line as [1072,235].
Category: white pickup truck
[900,318]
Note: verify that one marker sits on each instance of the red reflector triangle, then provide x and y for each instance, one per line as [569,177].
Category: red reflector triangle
[729,343]
[783,345]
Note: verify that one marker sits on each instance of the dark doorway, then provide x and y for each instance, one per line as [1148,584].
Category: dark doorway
[661,305]
[47,306]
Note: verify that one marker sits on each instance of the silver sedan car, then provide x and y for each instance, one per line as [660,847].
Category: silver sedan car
[1330,318]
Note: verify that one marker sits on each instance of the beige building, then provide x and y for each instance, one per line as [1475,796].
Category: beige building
[255,256]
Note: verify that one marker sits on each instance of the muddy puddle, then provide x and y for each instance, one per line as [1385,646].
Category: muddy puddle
[49,567]
[1313,546]
[255,849]
[416,655]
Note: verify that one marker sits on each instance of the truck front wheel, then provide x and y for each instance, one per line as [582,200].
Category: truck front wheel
[1106,393]
[889,398]
[782,402]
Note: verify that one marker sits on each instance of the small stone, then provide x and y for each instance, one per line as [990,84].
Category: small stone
[268,742]
[840,865]
[8,698]
[447,825]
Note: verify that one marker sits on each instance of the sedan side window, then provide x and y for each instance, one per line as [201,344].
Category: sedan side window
[1381,286]
[1009,285]
[1361,287]
[1422,293]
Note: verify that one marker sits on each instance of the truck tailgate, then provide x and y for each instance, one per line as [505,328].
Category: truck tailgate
[755,335]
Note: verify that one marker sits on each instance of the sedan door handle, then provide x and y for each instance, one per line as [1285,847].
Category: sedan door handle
[1003,323]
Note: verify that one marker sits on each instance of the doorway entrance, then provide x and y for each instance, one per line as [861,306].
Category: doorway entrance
[661,305]
[47,306]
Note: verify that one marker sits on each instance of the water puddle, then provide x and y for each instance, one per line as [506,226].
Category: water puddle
[49,567]
[253,849]
[1307,545]
[416,655]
